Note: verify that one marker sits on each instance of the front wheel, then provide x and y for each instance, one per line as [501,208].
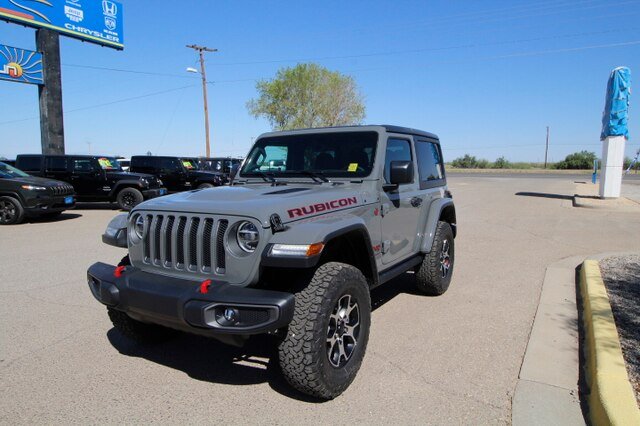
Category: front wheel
[11,211]
[327,338]
[128,198]
[434,276]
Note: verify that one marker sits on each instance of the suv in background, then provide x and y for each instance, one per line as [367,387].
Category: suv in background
[94,178]
[313,221]
[23,196]
[224,165]
[177,173]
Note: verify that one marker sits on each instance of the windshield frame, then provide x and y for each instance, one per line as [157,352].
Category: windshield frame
[18,173]
[368,139]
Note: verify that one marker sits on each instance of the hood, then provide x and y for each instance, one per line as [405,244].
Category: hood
[203,173]
[125,175]
[291,202]
[33,180]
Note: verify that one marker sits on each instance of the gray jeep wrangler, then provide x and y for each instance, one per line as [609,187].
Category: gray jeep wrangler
[312,222]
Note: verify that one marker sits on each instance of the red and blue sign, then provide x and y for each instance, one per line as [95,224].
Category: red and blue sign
[95,21]
[23,66]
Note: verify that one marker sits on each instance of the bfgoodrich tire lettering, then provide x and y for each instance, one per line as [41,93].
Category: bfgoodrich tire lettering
[304,353]
[434,276]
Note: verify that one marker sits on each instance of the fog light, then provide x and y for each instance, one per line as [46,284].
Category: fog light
[231,315]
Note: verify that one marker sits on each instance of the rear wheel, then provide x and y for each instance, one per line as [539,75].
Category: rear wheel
[11,211]
[327,338]
[434,276]
[128,198]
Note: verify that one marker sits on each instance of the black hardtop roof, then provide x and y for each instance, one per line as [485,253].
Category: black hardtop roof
[67,155]
[161,156]
[387,127]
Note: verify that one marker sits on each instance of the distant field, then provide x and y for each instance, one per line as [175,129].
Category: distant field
[511,171]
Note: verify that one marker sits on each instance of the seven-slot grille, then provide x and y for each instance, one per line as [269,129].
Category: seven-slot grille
[62,190]
[185,243]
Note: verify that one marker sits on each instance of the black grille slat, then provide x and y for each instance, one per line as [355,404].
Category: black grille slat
[180,237]
[157,238]
[167,236]
[147,238]
[193,242]
[206,243]
[220,255]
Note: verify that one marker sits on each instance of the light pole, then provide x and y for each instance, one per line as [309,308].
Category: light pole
[203,74]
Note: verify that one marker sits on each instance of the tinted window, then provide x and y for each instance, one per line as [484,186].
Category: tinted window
[143,164]
[170,164]
[82,165]
[56,164]
[29,163]
[429,161]
[397,150]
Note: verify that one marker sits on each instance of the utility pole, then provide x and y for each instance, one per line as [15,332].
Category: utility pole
[203,74]
[546,150]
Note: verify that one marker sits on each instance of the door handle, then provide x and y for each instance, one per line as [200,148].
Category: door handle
[416,201]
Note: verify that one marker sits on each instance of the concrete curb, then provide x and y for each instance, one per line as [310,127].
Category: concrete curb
[611,399]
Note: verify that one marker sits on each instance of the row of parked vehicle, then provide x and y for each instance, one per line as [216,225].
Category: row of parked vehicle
[46,185]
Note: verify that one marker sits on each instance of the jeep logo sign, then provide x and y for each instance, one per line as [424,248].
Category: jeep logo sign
[322,207]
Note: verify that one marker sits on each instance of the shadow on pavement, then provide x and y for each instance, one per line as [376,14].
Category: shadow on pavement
[544,195]
[256,362]
[60,218]
[96,206]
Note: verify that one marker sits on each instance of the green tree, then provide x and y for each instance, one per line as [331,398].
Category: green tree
[578,160]
[308,95]
[502,163]
[466,162]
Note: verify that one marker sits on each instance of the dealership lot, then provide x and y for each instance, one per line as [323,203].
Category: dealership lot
[448,359]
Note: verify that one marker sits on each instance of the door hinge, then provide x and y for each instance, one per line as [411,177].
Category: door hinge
[385,209]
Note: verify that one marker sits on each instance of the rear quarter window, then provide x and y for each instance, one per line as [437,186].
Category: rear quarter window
[30,163]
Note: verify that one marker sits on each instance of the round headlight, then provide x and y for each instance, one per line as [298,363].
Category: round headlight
[138,226]
[248,237]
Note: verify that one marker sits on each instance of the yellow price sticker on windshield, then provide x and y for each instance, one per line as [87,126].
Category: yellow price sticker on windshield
[187,164]
[353,167]
[105,163]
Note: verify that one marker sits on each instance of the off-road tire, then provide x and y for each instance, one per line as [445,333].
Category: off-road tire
[14,213]
[303,353]
[205,185]
[128,198]
[138,331]
[429,277]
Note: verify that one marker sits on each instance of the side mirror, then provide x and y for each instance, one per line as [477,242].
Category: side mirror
[400,172]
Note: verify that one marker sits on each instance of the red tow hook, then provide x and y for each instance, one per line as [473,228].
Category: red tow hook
[204,286]
[118,271]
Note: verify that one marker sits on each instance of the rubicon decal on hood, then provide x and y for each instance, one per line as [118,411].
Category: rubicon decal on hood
[322,207]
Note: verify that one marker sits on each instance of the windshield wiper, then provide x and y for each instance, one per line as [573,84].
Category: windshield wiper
[267,177]
[316,176]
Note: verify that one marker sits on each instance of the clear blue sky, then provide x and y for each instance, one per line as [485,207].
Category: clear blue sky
[487,77]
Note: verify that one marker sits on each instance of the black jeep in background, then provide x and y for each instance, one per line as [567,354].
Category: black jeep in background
[23,196]
[224,165]
[177,173]
[94,178]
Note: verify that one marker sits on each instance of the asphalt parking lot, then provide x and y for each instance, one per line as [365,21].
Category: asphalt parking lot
[449,359]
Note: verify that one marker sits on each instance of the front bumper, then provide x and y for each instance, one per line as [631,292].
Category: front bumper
[49,204]
[179,304]
[154,193]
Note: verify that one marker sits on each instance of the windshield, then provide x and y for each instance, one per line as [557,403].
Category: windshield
[8,172]
[189,163]
[346,154]
[109,163]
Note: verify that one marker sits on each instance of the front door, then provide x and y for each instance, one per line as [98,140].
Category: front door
[400,208]
[172,174]
[87,178]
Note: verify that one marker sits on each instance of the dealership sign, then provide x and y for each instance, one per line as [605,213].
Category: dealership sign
[24,66]
[96,21]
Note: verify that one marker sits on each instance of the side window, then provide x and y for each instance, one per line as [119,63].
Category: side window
[56,164]
[397,150]
[169,164]
[82,165]
[429,161]
[30,164]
